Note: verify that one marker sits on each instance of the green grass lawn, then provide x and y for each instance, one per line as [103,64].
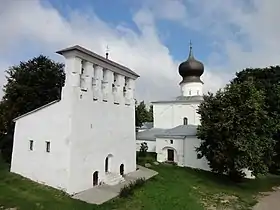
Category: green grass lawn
[174,188]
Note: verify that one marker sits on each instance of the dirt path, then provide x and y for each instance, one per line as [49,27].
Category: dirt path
[269,202]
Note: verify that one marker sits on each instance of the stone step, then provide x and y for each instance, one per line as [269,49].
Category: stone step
[113,179]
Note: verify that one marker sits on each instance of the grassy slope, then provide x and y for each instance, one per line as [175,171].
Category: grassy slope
[174,188]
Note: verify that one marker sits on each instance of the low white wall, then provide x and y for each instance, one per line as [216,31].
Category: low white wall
[191,160]
[190,155]
[151,145]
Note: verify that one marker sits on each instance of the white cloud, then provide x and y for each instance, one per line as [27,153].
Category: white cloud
[247,35]
[46,28]
[167,9]
[247,31]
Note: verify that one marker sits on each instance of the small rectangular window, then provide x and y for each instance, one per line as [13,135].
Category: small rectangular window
[171,141]
[31,144]
[48,146]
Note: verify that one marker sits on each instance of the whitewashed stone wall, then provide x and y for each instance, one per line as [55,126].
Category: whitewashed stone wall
[49,124]
[170,115]
[163,144]
[95,118]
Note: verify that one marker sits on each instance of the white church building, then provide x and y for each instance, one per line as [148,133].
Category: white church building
[88,136]
[173,137]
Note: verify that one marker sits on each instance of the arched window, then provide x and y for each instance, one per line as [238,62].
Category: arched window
[185,121]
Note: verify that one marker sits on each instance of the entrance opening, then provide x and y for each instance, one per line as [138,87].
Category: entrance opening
[106,164]
[95,178]
[170,155]
[122,169]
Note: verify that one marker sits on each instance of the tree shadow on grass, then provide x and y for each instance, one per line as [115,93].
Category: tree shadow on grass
[261,183]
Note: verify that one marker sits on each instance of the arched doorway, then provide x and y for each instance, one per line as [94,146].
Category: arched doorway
[108,161]
[185,121]
[122,169]
[170,154]
[95,178]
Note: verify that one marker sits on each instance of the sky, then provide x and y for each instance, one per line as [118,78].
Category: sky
[149,36]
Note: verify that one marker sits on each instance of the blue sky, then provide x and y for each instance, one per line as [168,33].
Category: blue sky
[150,36]
[175,36]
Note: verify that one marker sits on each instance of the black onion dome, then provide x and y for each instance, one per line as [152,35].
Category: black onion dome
[191,69]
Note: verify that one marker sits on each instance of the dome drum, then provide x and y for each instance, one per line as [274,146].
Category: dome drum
[189,79]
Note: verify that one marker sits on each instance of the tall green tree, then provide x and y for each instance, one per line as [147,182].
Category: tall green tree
[236,131]
[267,80]
[150,114]
[141,113]
[30,84]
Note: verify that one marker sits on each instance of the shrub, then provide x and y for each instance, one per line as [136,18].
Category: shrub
[128,189]
[139,182]
[3,165]
[143,149]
